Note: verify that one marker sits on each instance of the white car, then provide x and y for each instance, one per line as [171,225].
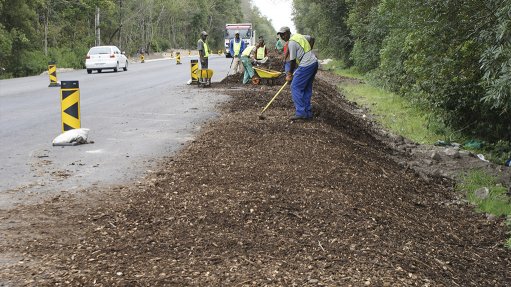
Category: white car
[105,57]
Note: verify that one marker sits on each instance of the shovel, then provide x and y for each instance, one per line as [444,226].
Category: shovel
[261,117]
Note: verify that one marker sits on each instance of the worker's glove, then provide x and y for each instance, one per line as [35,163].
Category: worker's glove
[289,77]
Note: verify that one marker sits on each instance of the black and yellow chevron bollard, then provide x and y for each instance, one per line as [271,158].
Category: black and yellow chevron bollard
[70,105]
[142,58]
[52,72]
[194,67]
[178,58]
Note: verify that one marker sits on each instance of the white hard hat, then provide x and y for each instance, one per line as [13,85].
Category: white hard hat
[237,32]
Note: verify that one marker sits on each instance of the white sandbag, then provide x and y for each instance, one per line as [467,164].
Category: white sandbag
[72,137]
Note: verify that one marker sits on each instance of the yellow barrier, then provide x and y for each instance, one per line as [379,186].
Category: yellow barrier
[70,105]
[194,66]
[52,72]
[178,58]
[142,58]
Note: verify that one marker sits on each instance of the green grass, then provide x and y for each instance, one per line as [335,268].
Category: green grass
[497,202]
[395,113]
[338,67]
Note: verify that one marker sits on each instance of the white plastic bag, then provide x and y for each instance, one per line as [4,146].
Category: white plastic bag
[72,137]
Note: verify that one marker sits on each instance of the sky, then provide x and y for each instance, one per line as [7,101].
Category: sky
[278,11]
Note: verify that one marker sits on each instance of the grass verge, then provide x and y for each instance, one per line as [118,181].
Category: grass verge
[496,201]
[493,200]
[400,116]
[395,113]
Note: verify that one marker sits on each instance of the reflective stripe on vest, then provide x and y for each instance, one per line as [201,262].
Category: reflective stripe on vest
[236,47]
[205,47]
[260,53]
[247,51]
[302,41]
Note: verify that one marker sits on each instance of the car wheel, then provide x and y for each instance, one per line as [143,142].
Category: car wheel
[89,71]
[125,66]
[99,70]
[116,67]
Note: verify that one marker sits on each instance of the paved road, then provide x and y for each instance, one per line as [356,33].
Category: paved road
[135,118]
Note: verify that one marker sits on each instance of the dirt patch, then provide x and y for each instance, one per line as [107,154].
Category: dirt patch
[330,202]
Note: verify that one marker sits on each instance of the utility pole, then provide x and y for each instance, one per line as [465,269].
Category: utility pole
[96,27]
[46,20]
[120,25]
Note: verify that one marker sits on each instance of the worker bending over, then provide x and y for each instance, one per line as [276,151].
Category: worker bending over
[302,71]
[247,58]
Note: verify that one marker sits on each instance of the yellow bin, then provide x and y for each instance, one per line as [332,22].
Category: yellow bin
[205,76]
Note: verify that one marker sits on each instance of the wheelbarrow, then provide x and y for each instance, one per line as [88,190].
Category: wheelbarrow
[265,74]
[204,76]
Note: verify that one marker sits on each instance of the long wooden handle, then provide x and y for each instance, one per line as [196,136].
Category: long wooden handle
[274,97]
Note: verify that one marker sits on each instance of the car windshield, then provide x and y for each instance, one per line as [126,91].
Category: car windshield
[244,33]
[99,50]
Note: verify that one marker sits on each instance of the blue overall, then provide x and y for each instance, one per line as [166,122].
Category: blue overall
[301,89]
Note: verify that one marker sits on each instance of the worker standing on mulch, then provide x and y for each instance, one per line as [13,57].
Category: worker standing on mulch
[301,77]
[202,46]
[247,57]
[261,49]
[236,47]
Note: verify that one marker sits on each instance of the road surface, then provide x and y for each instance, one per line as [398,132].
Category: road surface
[134,117]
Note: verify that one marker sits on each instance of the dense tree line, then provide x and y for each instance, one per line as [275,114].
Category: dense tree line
[450,56]
[33,32]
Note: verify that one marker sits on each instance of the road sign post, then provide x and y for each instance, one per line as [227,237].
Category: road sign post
[52,72]
[194,67]
[70,105]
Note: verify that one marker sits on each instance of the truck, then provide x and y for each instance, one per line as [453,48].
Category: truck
[247,34]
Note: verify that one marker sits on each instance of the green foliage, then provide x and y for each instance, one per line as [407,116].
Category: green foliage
[448,57]
[368,31]
[498,152]
[30,63]
[63,30]
[67,57]
[326,21]
[495,59]
[508,223]
[5,46]
[262,26]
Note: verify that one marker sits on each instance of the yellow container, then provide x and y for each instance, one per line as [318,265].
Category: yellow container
[205,74]
[266,74]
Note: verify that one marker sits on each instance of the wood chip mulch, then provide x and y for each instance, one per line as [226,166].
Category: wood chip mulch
[255,202]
